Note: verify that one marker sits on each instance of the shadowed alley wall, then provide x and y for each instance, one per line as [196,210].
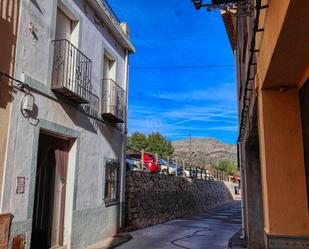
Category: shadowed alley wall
[9,20]
[153,199]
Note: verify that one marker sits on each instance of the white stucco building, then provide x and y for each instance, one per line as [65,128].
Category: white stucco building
[64,166]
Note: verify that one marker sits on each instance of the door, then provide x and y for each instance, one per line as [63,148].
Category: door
[50,190]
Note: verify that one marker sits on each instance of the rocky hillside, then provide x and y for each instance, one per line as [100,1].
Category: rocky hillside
[205,150]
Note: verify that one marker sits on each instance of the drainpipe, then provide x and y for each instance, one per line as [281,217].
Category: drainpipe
[243,234]
[124,148]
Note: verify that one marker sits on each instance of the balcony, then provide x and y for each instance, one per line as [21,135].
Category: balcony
[113,104]
[71,75]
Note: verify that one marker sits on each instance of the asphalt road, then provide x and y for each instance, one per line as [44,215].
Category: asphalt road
[211,230]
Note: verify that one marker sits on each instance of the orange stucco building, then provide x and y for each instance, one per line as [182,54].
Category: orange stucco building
[9,22]
[271,49]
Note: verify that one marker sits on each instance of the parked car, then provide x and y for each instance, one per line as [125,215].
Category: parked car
[193,173]
[132,164]
[190,173]
[172,169]
[149,161]
[179,168]
[200,174]
[164,165]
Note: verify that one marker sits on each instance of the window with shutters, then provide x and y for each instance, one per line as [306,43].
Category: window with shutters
[63,26]
[112,168]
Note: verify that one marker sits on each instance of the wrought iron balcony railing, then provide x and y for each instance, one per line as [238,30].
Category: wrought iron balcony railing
[113,104]
[71,75]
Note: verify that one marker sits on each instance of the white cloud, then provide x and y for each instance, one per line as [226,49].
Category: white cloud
[233,128]
[222,92]
[177,123]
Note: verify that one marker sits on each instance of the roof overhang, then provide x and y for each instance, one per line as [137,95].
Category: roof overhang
[113,25]
[229,23]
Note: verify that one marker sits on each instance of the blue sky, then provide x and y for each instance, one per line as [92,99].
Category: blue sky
[179,101]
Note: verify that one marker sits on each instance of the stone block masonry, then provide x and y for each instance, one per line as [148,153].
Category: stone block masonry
[153,199]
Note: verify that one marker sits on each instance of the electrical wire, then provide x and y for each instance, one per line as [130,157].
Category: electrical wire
[25,88]
[180,67]
[20,84]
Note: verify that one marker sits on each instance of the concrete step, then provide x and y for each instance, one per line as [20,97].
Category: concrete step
[111,243]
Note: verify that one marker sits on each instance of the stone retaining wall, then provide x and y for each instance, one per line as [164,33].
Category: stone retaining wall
[153,199]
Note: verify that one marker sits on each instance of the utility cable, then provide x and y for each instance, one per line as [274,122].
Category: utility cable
[27,89]
[181,67]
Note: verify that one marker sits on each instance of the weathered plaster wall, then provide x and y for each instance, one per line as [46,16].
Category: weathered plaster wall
[154,199]
[95,140]
[92,225]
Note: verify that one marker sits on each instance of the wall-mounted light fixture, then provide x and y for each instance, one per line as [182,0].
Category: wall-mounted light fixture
[235,7]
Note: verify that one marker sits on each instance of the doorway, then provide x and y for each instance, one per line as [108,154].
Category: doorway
[50,191]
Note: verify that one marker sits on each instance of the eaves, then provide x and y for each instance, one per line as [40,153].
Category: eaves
[112,25]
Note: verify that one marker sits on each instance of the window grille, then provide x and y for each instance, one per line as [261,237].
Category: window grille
[112,170]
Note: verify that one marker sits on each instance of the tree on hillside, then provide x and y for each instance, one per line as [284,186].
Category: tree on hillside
[226,166]
[158,143]
[154,143]
[138,141]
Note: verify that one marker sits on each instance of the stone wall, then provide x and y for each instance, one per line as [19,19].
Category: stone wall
[152,199]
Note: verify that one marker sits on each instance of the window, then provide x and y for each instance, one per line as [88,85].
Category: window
[113,95]
[63,26]
[109,67]
[67,24]
[111,181]
[71,75]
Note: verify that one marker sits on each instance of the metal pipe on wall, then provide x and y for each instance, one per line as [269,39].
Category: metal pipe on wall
[243,232]
[124,149]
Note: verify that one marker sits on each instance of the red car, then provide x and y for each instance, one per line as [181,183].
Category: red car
[149,161]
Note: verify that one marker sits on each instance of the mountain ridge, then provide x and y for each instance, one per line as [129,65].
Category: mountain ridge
[206,150]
